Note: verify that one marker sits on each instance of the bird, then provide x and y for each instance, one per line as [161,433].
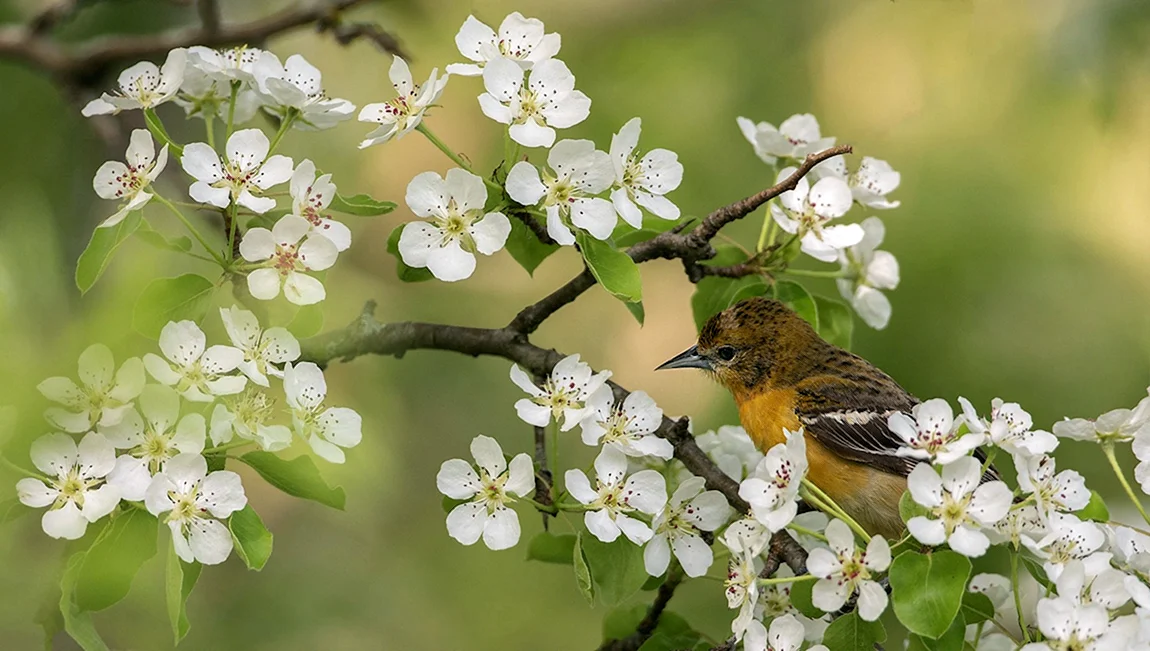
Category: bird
[784,376]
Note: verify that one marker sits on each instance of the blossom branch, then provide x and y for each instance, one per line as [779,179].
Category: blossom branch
[650,621]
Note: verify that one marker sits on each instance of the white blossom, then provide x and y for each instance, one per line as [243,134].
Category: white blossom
[643,181]
[399,116]
[566,194]
[872,181]
[786,634]
[151,439]
[195,502]
[1069,538]
[775,601]
[1023,525]
[245,171]
[773,489]
[327,430]
[264,351]
[1093,581]
[101,398]
[1116,425]
[959,506]
[310,197]
[1067,625]
[485,512]
[246,416]
[732,450]
[457,225]
[298,87]
[843,570]
[807,211]
[1131,548]
[129,183]
[746,536]
[285,259]
[1065,491]
[75,491]
[243,63]
[742,589]
[615,496]
[867,272]
[142,86]
[203,94]
[931,432]
[533,111]
[629,426]
[676,529]
[199,372]
[565,393]
[1009,428]
[795,138]
[520,39]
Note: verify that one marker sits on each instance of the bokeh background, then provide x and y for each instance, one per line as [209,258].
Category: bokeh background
[1021,130]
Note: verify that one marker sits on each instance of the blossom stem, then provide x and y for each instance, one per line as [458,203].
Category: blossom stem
[814,273]
[829,505]
[455,158]
[285,124]
[1108,450]
[232,107]
[21,470]
[989,460]
[553,460]
[229,446]
[767,232]
[209,129]
[1018,596]
[787,579]
[152,121]
[552,509]
[806,532]
[193,230]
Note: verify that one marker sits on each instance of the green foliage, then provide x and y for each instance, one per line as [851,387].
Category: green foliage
[927,590]
[976,608]
[802,601]
[952,640]
[171,299]
[614,269]
[77,622]
[637,311]
[361,205]
[151,236]
[908,508]
[299,477]
[525,247]
[103,245]
[852,633]
[836,324]
[1034,567]
[11,509]
[307,322]
[1095,510]
[672,633]
[179,579]
[112,561]
[253,540]
[713,295]
[616,568]
[405,273]
[550,548]
[796,297]
[157,128]
[582,571]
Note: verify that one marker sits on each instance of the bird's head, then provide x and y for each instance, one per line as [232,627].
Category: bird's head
[749,344]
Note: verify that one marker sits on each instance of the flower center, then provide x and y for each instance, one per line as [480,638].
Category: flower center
[72,487]
[953,511]
[491,493]
[286,259]
[633,176]
[854,570]
[530,107]
[512,50]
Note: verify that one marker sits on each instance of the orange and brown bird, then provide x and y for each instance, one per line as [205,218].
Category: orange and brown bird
[784,376]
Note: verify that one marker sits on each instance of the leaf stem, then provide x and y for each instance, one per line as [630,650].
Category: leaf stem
[814,273]
[1108,450]
[806,532]
[195,233]
[285,124]
[767,232]
[455,158]
[831,507]
[787,579]
[232,226]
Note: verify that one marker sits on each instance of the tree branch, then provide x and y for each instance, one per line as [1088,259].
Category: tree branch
[650,621]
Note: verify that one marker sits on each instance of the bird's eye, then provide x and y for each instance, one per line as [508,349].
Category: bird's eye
[725,353]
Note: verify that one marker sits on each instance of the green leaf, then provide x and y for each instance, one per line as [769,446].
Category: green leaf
[614,269]
[307,322]
[550,548]
[908,508]
[852,633]
[11,509]
[361,205]
[253,540]
[298,477]
[713,295]
[181,244]
[637,311]
[616,568]
[796,297]
[835,322]
[1035,569]
[976,608]
[952,640]
[1095,510]
[152,121]
[105,240]
[179,579]
[171,299]
[927,590]
[527,250]
[582,571]
[672,633]
[77,622]
[801,599]
[114,558]
[405,273]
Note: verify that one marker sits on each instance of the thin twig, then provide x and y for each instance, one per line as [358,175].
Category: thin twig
[650,621]
[543,475]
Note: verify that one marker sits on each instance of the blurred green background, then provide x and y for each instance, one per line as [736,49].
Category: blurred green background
[1021,130]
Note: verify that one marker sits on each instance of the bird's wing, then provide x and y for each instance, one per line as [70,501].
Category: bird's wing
[861,436]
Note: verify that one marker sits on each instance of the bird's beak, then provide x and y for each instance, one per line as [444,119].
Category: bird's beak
[689,358]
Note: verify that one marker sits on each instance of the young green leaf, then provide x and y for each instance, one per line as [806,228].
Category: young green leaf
[853,633]
[672,633]
[1035,569]
[405,273]
[179,579]
[582,571]
[114,558]
[637,311]
[253,540]
[307,322]
[616,568]
[796,297]
[802,601]
[927,590]
[614,269]
[835,322]
[527,250]
[103,245]
[976,608]
[298,477]
[361,205]
[1095,510]
[171,299]
[77,622]
[550,548]
[952,640]
[181,244]
[908,508]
